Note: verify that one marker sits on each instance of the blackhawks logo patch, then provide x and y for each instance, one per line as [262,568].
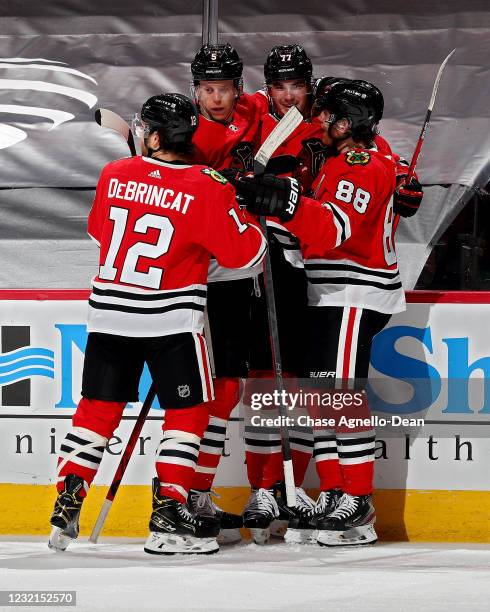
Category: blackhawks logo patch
[357,157]
[216,176]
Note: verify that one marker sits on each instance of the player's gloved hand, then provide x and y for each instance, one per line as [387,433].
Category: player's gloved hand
[407,198]
[232,175]
[282,164]
[242,156]
[271,196]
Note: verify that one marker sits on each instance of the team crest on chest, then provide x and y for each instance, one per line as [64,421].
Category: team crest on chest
[357,157]
[233,128]
[216,176]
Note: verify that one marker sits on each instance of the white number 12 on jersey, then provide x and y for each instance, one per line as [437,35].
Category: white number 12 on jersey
[129,274]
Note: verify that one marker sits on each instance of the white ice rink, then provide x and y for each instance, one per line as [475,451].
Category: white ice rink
[118,575]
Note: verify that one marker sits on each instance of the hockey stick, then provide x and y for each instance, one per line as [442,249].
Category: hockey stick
[123,464]
[283,129]
[108,119]
[420,141]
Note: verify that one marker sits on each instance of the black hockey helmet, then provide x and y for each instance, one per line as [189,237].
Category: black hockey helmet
[352,100]
[217,63]
[287,62]
[376,95]
[174,113]
[322,85]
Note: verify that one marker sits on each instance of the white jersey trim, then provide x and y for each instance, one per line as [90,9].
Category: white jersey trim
[217,273]
[160,162]
[343,282]
[130,311]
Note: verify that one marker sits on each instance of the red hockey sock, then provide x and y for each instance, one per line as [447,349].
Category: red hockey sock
[330,474]
[81,451]
[358,479]
[177,454]
[227,396]
[356,455]
[326,459]
[264,469]
[301,461]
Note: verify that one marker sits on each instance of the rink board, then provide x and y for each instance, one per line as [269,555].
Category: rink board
[427,489]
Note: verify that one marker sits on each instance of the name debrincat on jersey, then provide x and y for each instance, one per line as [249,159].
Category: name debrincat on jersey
[152,195]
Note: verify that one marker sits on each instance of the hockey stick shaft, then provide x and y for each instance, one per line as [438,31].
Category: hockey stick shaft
[282,130]
[277,365]
[123,464]
[423,131]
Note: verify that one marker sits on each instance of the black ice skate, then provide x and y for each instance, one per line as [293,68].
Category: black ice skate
[260,511]
[350,524]
[174,529]
[66,513]
[289,515]
[302,526]
[202,504]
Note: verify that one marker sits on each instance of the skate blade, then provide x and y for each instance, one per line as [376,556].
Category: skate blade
[260,536]
[299,536]
[313,537]
[357,536]
[171,544]
[58,540]
[229,536]
[278,528]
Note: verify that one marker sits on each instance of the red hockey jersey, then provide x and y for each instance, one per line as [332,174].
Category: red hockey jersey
[157,224]
[296,150]
[362,270]
[218,144]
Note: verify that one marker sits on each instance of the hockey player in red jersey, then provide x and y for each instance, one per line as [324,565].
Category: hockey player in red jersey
[352,292]
[229,123]
[288,79]
[288,82]
[157,220]
[227,129]
[407,198]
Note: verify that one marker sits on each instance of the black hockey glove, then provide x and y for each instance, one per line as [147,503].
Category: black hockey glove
[243,157]
[282,164]
[232,175]
[271,196]
[407,198]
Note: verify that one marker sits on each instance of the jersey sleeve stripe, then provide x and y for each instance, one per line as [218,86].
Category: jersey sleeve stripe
[342,223]
[260,253]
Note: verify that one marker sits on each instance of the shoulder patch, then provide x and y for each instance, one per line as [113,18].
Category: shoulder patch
[215,175]
[357,157]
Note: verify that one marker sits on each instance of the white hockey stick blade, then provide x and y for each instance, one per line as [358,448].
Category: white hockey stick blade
[438,78]
[108,119]
[283,129]
[99,523]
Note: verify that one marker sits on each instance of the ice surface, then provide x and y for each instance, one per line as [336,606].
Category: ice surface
[118,575]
